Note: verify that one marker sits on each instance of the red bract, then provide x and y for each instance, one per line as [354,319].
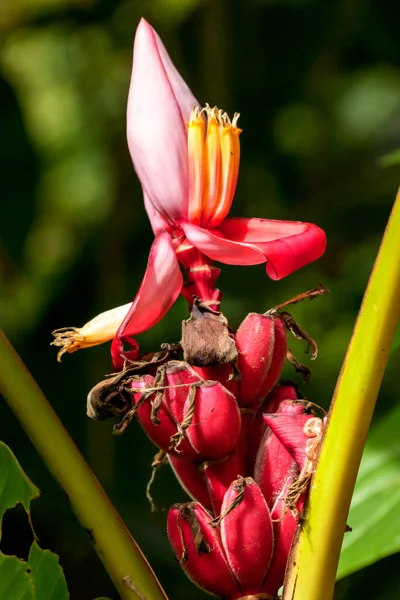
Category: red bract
[285,391]
[240,553]
[187,159]
[198,548]
[285,525]
[247,534]
[185,415]
[275,465]
[262,346]
[286,456]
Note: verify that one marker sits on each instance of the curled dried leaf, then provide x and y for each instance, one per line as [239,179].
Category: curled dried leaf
[205,337]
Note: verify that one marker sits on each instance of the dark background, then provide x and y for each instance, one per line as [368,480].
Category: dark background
[317,84]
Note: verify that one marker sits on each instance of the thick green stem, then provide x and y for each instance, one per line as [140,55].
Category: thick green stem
[121,556]
[314,559]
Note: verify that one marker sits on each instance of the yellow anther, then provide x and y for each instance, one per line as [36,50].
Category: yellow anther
[196,132]
[214,154]
[212,171]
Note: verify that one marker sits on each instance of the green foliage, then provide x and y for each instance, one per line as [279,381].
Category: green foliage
[374,514]
[40,577]
[47,575]
[15,485]
[15,581]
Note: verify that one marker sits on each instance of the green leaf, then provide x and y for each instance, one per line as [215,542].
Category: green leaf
[47,575]
[15,487]
[41,578]
[15,581]
[374,513]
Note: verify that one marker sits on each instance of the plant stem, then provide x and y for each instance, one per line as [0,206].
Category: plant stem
[314,558]
[112,541]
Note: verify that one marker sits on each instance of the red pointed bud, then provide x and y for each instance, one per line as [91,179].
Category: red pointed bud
[276,470]
[160,427]
[177,377]
[285,525]
[191,479]
[186,416]
[284,391]
[198,547]
[275,466]
[215,427]
[262,346]
[246,532]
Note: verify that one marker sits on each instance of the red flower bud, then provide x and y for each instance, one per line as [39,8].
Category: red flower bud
[158,425]
[194,419]
[285,525]
[283,466]
[198,547]
[284,391]
[246,532]
[262,346]
[275,465]
[215,427]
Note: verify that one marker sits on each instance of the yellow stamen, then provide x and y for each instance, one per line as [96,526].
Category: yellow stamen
[230,157]
[214,154]
[100,329]
[196,133]
[212,168]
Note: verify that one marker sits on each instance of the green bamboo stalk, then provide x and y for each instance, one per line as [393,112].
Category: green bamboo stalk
[314,559]
[128,568]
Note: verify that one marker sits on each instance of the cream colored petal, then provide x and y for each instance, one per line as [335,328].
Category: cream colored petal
[97,331]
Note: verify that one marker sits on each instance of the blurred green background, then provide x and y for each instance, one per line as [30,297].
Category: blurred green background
[317,84]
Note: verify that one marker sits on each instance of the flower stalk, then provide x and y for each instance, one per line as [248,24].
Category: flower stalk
[314,559]
[121,556]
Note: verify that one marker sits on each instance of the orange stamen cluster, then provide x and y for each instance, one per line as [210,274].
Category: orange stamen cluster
[214,154]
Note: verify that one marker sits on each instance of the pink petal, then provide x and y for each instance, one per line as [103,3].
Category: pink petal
[157,221]
[158,291]
[223,250]
[286,245]
[159,105]
[289,429]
